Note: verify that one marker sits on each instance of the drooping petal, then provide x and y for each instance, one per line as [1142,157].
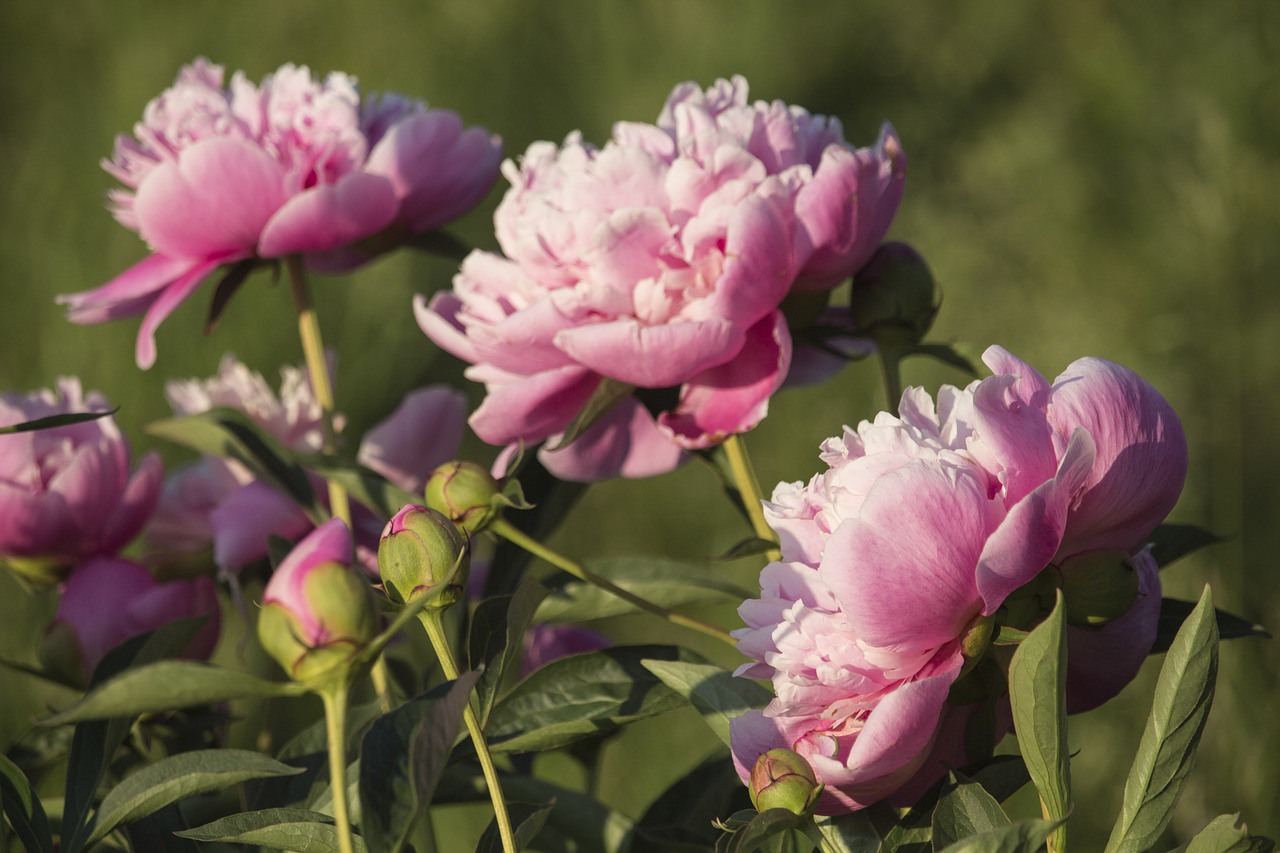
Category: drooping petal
[625,442]
[329,216]
[424,431]
[245,520]
[164,305]
[651,356]
[129,293]
[533,408]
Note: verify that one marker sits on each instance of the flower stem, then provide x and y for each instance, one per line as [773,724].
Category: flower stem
[891,370]
[749,488]
[440,642]
[514,535]
[318,371]
[335,726]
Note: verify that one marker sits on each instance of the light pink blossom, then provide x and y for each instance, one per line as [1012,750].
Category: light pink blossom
[69,493]
[107,600]
[216,174]
[924,524]
[659,261]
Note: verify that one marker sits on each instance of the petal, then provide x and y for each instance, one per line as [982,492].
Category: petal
[625,442]
[1141,462]
[331,542]
[424,431]
[34,524]
[244,522]
[329,216]
[533,408]
[733,397]
[1013,436]
[439,322]
[127,294]
[651,356]
[903,570]
[759,267]
[94,600]
[164,305]
[1029,535]
[136,504]
[212,202]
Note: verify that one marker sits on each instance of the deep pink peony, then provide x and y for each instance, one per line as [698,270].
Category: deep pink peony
[922,525]
[108,600]
[67,493]
[216,502]
[660,262]
[218,174]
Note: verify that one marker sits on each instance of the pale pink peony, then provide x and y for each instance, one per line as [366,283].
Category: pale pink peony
[217,503]
[68,493]
[107,600]
[295,166]
[925,523]
[660,262]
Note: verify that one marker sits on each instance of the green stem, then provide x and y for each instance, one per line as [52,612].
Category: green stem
[515,536]
[744,477]
[318,371]
[891,370]
[440,642]
[335,727]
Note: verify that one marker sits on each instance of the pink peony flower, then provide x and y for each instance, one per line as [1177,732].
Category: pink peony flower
[660,262]
[217,174]
[107,600]
[923,525]
[67,493]
[217,503]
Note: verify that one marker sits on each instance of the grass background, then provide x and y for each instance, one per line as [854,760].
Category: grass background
[1085,179]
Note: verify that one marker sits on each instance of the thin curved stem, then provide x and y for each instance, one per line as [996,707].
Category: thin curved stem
[514,535]
[891,370]
[440,643]
[335,727]
[749,488]
[318,372]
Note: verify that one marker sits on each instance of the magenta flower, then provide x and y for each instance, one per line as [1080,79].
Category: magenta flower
[217,174]
[107,600]
[68,493]
[659,262]
[920,528]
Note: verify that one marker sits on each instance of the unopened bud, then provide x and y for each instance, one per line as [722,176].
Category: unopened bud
[783,779]
[1098,586]
[895,290]
[420,550]
[465,493]
[317,611]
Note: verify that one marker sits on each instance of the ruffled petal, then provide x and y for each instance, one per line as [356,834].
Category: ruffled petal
[329,216]
[625,442]
[129,293]
[136,504]
[533,408]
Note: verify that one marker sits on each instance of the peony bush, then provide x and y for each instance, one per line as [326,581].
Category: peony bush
[963,573]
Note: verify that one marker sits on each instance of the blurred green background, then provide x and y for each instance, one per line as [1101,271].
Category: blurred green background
[1085,179]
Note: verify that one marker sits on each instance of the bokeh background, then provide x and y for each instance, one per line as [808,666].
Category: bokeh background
[1085,178]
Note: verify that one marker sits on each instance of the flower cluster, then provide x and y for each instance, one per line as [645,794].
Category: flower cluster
[218,173]
[916,536]
[660,263]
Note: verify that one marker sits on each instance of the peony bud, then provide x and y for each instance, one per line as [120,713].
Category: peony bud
[465,493]
[418,551]
[895,290]
[782,779]
[1098,586]
[317,611]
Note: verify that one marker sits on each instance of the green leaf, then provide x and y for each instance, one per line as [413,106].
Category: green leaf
[1023,836]
[233,435]
[856,833]
[609,393]
[276,829]
[945,353]
[1174,611]
[527,820]
[682,816]
[497,638]
[582,695]
[716,694]
[1222,836]
[764,827]
[1166,753]
[749,547]
[1172,541]
[669,583]
[23,808]
[552,499]
[1037,691]
[363,485]
[165,686]
[965,809]
[55,421]
[236,275]
[401,759]
[178,777]
[94,743]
